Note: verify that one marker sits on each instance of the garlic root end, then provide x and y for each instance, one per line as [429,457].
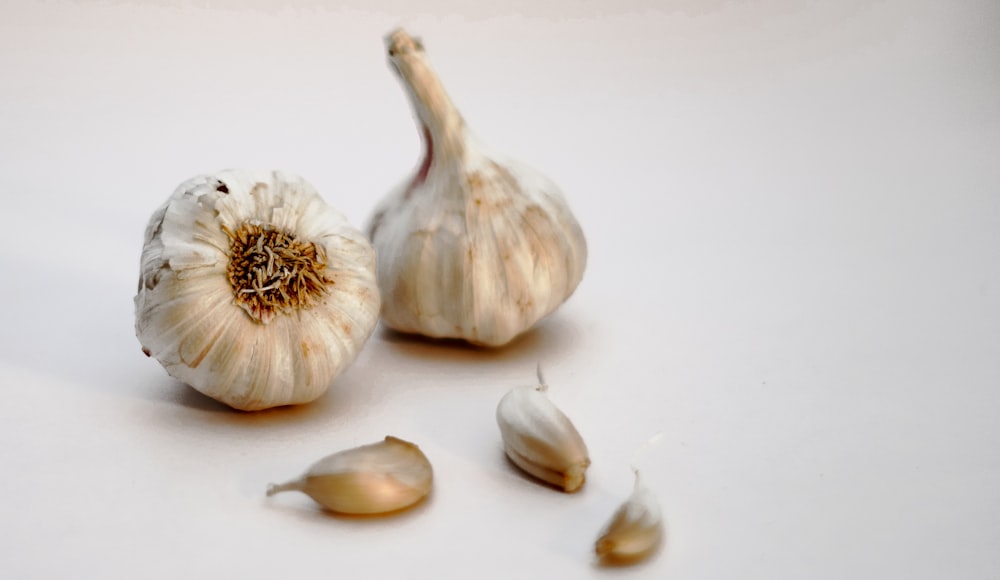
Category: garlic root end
[575,477]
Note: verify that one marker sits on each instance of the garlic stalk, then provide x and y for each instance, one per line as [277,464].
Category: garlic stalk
[473,246]
[540,439]
[635,531]
[253,290]
[372,479]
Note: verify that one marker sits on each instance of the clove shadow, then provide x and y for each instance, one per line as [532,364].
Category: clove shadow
[615,565]
[515,471]
[306,510]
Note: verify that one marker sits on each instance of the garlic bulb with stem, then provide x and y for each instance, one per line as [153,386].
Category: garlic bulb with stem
[473,246]
[379,478]
[540,439]
[253,290]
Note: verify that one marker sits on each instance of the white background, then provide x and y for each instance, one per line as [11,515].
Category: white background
[793,214]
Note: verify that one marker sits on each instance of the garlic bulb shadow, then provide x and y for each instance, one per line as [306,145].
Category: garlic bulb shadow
[183,397]
[307,510]
[552,339]
[178,411]
[181,394]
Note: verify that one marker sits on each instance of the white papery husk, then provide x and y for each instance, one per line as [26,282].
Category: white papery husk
[186,313]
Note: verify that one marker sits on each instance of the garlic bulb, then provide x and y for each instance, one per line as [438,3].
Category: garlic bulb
[253,290]
[540,439]
[635,530]
[473,246]
[372,479]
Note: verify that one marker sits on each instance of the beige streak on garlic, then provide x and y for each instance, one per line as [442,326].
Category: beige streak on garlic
[279,326]
[474,245]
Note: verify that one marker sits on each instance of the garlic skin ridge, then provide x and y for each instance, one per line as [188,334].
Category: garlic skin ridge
[474,245]
[540,439]
[253,290]
[636,529]
[379,478]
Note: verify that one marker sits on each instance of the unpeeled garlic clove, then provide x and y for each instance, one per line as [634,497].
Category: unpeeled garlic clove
[540,439]
[473,245]
[636,529]
[378,478]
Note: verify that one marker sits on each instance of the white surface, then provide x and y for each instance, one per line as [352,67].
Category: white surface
[794,219]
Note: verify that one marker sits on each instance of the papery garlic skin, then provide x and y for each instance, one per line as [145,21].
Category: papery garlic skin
[380,478]
[636,529]
[474,246]
[540,439]
[253,290]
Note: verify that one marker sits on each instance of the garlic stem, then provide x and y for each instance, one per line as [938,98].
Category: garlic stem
[440,122]
[542,385]
[295,485]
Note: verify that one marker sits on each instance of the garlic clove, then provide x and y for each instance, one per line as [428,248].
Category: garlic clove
[636,529]
[253,290]
[540,439]
[474,245]
[379,478]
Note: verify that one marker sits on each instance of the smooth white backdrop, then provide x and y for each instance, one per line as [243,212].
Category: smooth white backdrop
[793,213]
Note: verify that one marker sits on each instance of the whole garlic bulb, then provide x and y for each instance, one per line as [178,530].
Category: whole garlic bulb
[253,290]
[474,246]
